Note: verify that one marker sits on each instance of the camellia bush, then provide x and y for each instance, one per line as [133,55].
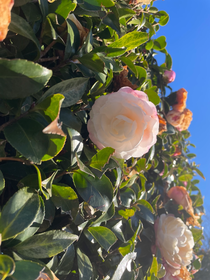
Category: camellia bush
[97,179]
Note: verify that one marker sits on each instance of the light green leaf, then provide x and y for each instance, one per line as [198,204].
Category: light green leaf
[7,266]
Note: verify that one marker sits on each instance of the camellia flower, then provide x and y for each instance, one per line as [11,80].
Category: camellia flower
[5,11]
[181,97]
[174,240]
[169,76]
[180,120]
[124,120]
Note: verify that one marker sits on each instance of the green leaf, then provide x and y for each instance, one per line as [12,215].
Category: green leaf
[45,245]
[160,43]
[197,264]
[76,144]
[199,172]
[18,213]
[130,64]
[64,197]
[100,159]
[123,265]
[130,40]
[2,182]
[65,264]
[43,4]
[72,89]
[20,78]
[142,74]
[104,236]
[27,270]
[197,234]
[83,167]
[127,213]
[154,267]
[73,39]
[84,266]
[65,7]
[21,26]
[7,266]
[30,231]
[168,61]
[185,177]
[99,3]
[92,61]
[146,204]
[149,45]
[97,192]
[153,96]
[47,183]
[105,216]
[164,18]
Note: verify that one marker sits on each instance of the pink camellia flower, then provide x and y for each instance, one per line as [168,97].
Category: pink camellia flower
[181,196]
[124,120]
[174,240]
[169,76]
[180,120]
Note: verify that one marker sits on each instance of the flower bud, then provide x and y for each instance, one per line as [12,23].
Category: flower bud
[169,76]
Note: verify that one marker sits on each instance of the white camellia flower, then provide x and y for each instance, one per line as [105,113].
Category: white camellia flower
[124,120]
[174,240]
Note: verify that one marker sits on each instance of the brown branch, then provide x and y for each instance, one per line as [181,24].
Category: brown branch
[48,59]
[12,121]
[24,161]
[48,48]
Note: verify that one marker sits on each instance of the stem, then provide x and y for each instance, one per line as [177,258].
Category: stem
[14,159]
[48,48]
[48,59]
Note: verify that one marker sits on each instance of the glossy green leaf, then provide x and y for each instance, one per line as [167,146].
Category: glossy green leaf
[65,264]
[130,40]
[123,265]
[76,144]
[20,78]
[7,266]
[142,74]
[97,192]
[146,204]
[21,26]
[127,213]
[99,3]
[92,61]
[153,96]
[83,167]
[160,43]
[72,89]
[130,64]
[185,177]
[73,39]
[149,45]
[84,266]
[45,245]
[164,18]
[30,231]
[27,270]
[104,236]
[64,197]
[47,183]
[65,7]
[100,159]
[2,182]
[18,213]
[105,216]
[43,4]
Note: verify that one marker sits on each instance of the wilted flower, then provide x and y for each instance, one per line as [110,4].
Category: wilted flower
[180,120]
[124,120]
[178,152]
[122,80]
[181,197]
[162,125]
[181,97]
[174,240]
[169,76]
[5,11]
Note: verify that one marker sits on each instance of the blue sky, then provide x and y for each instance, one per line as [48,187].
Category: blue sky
[188,42]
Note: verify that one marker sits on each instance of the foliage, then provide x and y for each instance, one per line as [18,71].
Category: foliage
[67,207]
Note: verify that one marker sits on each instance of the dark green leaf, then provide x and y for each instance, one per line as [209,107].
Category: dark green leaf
[92,61]
[72,89]
[123,265]
[21,26]
[76,144]
[27,270]
[2,182]
[97,192]
[21,78]
[84,266]
[43,4]
[46,245]
[160,43]
[65,265]
[18,213]
[104,236]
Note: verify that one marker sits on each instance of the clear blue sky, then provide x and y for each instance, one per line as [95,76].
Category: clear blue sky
[188,42]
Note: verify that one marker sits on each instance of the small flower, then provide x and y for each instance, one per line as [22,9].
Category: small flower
[124,120]
[5,11]
[180,120]
[174,240]
[169,76]
[181,97]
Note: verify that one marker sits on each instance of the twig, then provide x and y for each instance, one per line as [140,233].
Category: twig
[48,48]
[24,161]
[48,59]
[12,121]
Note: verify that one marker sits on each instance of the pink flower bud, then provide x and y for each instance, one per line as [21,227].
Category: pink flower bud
[169,76]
